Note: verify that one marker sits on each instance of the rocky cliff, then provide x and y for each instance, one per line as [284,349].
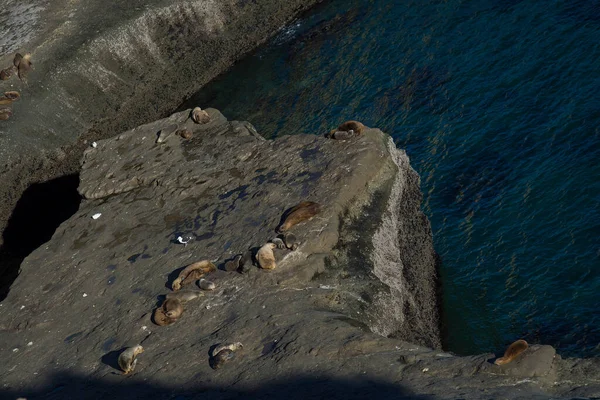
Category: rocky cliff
[352,312]
[102,67]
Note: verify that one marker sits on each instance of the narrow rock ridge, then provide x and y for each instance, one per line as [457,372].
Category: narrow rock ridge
[365,266]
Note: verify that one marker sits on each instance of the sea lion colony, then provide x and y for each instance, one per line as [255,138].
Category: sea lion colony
[172,308]
[21,65]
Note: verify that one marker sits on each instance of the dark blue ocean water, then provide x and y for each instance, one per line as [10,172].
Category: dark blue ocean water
[498,106]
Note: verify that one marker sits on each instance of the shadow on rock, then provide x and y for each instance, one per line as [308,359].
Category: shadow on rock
[67,386]
[39,211]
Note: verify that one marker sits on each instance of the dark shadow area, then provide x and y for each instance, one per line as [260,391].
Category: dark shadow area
[41,209]
[127,387]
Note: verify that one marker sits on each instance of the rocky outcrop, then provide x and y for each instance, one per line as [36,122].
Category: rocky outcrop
[351,313]
[102,67]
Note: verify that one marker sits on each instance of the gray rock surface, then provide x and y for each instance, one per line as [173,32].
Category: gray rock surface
[102,67]
[351,313]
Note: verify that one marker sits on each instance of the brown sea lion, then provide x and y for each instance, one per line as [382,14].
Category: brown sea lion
[192,273]
[173,308]
[128,358]
[185,133]
[512,352]
[5,114]
[299,213]
[347,130]
[13,95]
[17,60]
[265,256]
[160,319]
[223,354]
[169,312]
[25,65]
[200,116]
[6,73]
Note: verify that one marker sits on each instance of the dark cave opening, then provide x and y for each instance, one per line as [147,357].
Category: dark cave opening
[39,211]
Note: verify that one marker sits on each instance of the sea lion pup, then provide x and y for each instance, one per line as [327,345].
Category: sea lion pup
[512,352]
[170,311]
[278,242]
[5,114]
[185,133]
[289,240]
[266,257]
[222,354]
[13,95]
[234,264]
[299,213]
[200,116]
[17,60]
[206,285]
[128,358]
[192,273]
[6,73]
[24,67]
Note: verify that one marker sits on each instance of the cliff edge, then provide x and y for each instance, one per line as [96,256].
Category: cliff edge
[352,312]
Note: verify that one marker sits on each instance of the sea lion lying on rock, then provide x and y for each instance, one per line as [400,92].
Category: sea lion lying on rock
[192,273]
[299,213]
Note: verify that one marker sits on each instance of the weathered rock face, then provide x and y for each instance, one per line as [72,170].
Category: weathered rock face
[315,325]
[102,67]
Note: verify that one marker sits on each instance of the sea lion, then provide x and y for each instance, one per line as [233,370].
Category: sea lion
[265,256]
[355,126]
[192,273]
[206,285]
[173,308]
[128,358]
[290,241]
[222,354]
[166,132]
[24,67]
[184,295]
[233,264]
[299,213]
[13,95]
[185,133]
[5,114]
[5,101]
[169,312]
[160,318]
[200,116]
[512,352]
[278,242]
[17,60]
[6,73]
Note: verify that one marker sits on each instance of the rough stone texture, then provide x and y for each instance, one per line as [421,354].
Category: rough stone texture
[101,67]
[311,328]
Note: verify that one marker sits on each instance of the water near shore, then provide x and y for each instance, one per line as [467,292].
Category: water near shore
[496,103]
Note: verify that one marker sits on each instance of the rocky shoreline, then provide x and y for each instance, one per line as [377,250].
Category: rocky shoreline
[104,67]
[352,312]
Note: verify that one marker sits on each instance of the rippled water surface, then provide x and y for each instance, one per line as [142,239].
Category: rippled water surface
[498,106]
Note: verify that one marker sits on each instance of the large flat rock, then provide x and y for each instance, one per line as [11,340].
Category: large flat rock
[102,67]
[351,313]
